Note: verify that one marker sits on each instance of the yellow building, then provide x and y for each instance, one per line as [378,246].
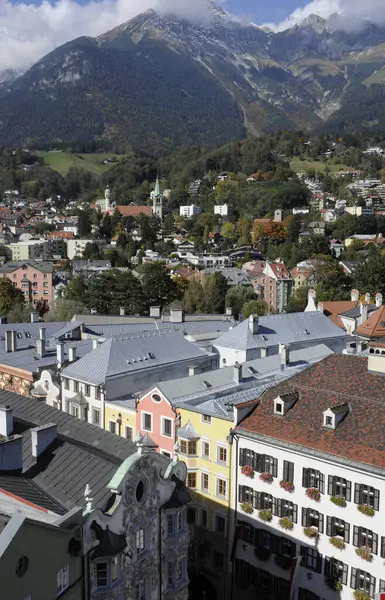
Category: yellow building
[120,419]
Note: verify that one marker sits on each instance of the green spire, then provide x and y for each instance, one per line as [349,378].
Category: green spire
[157,187]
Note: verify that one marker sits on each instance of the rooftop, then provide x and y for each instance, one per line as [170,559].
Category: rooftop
[44,267]
[374,327]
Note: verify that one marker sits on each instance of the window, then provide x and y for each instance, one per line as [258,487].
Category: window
[261,463]
[112,426]
[220,524]
[170,573]
[288,471]
[65,383]
[183,447]
[96,416]
[285,508]
[191,480]
[179,569]
[205,450]
[218,560]
[206,419]
[87,390]
[205,482]
[140,541]
[192,448]
[365,538]
[129,434]
[364,494]
[147,421]
[338,486]
[180,521]
[166,427]
[222,455]
[382,585]
[170,525]
[101,574]
[62,579]
[75,411]
[313,479]
[312,559]
[221,488]
[76,386]
[140,592]
[188,448]
[312,518]
[203,517]
[361,580]
[336,570]
[304,594]
[338,528]
[329,421]
[166,454]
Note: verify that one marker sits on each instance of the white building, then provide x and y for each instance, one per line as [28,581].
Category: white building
[189,210]
[309,463]
[222,209]
[76,247]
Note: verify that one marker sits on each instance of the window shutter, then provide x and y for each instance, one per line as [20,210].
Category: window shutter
[240,493]
[258,500]
[357,493]
[383,547]
[293,549]
[329,526]
[291,472]
[305,478]
[375,543]
[275,544]
[257,537]
[259,463]
[376,499]
[322,483]
[277,507]
[295,513]
[275,467]
[320,523]
[347,533]
[345,574]
[319,563]
[242,457]
[382,586]
[330,485]
[353,578]
[327,565]
[356,536]
[255,499]
[372,586]
[303,553]
[304,517]
[348,491]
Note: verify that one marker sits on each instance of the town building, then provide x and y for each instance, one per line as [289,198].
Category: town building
[189,211]
[224,210]
[76,247]
[37,249]
[275,286]
[34,279]
[303,276]
[309,473]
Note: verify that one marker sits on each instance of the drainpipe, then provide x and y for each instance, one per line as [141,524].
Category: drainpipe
[160,552]
[235,515]
[230,440]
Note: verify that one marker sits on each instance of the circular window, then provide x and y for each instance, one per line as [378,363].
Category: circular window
[156,398]
[22,566]
[140,489]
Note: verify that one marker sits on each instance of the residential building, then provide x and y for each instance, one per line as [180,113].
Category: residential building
[360,211]
[303,276]
[194,187]
[90,266]
[40,249]
[373,328]
[34,279]
[309,468]
[189,211]
[337,246]
[275,286]
[360,238]
[224,210]
[76,247]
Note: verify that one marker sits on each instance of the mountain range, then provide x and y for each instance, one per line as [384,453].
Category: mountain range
[156,83]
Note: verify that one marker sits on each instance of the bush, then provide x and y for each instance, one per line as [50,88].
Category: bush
[314,494]
[338,501]
[262,552]
[248,471]
[288,486]
[247,508]
[310,532]
[265,515]
[360,595]
[337,543]
[286,523]
[366,510]
[283,561]
[266,477]
[365,554]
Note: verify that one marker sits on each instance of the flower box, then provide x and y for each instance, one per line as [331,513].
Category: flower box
[247,471]
[283,561]
[337,542]
[265,515]
[366,510]
[365,554]
[333,584]
[338,501]
[310,532]
[313,494]
[286,523]
[361,595]
[247,507]
[262,552]
[288,486]
[266,477]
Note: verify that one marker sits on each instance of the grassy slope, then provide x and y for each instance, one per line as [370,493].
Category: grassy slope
[63,161]
[302,165]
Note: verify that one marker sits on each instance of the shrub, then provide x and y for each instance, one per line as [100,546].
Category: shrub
[337,543]
[314,494]
[288,486]
[338,501]
[365,554]
[247,507]
[248,471]
[333,584]
[286,523]
[366,510]
[262,552]
[282,561]
[310,532]
[265,515]
[266,477]
[360,595]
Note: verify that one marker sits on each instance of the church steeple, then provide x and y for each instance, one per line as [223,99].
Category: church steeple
[157,203]
[157,187]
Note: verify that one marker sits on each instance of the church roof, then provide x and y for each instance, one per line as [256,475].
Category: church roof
[134,210]
[374,327]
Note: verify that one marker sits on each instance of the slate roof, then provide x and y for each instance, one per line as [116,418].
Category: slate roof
[336,380]
[374,327]
[281,329]
[81,454]
[44,267]
[188,432]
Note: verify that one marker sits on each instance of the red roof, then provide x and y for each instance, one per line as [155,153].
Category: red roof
[61,235]
[280,270]
[134,211]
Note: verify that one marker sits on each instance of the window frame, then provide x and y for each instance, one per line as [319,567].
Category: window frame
[218,483]
[221,448]
[205,489]
[220,518]
[64,574]
[143,419]
[163,421]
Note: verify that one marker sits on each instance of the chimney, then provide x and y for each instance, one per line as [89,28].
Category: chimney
[237,377]
[6,421]
[254,324]
[95,343]
[263,352]
[378,298]
[284,352]
[176,315]
[60,353]
[42,437]
[229,311]
[364,313]
[355,295]
[122,311]
[155,312]
[40,343]
[11,454]
[3,320]
[72,354]
[34,317]
[193,370]
[367,298]
[10,341]
[93,311]
[311,306]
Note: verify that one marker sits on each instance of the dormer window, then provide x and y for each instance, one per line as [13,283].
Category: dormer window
[284,402]
[278,407]
[334,415]
[329,421]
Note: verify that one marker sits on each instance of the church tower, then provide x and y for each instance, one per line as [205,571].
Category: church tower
[107,198]
[157,202]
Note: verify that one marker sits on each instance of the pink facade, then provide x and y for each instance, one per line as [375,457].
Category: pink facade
[156,416]
[35,284]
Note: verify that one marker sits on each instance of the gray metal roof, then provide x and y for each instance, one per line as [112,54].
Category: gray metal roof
[136,352]
[233,276]
[27,358]
[188,432]
[44,267]
[281,329]
[355,312]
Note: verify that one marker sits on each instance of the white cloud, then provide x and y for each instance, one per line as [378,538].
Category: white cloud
[28,32]
[372,10]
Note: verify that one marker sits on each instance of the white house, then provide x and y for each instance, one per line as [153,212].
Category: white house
[222,209]
[189,210]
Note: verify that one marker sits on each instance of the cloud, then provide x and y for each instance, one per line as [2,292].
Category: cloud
[350,11]
[28,31]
